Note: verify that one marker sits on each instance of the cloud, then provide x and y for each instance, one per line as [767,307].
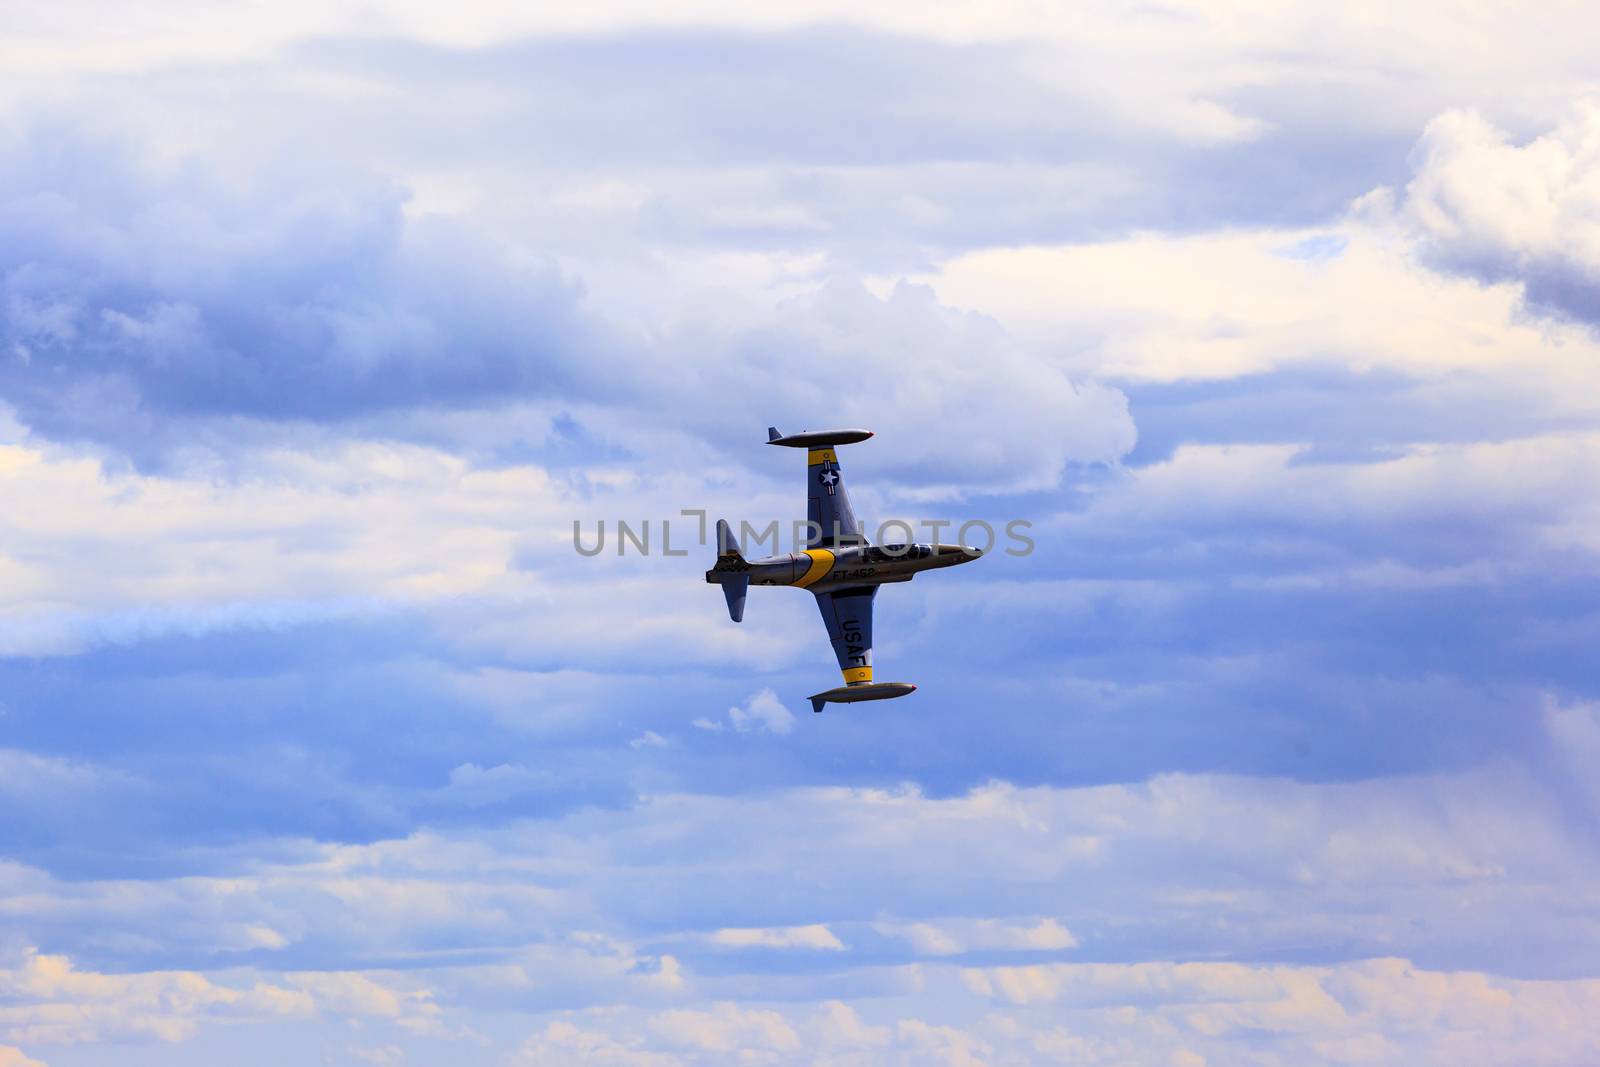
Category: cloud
[1574,733]
[13,1057]
[476,786]
[1379,1011]
[837,1025]
[860,134]
[49,1001]
[1383,1010]
[1524,213]
[814,936]
[949,1044]
[934,366]
[465,668]
[763,712]
[1182,863]
[155,297]
[1221,305]
[197,319]
[562,1043]
[951,937]
[727,1028]
[344,733]
[352,994]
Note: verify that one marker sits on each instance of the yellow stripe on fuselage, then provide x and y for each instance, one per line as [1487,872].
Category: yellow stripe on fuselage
[821,564]
[820,455]
[852,675]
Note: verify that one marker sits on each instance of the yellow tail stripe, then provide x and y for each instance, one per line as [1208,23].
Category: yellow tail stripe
[821,564]
[857,674]
[820,455]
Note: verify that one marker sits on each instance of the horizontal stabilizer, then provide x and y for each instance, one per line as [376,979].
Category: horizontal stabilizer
[734,589]
[816,438]
[851,694]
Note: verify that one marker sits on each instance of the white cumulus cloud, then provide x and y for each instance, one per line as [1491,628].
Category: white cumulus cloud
[762,713]
[1530,212]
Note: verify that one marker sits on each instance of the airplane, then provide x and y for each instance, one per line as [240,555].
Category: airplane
[837,565]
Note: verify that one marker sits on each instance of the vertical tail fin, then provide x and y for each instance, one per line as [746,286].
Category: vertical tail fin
[727,544]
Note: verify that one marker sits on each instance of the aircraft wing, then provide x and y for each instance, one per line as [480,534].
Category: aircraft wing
[847,613]
[827,504]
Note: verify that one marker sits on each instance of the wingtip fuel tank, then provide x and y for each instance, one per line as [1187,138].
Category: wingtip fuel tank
[816,438]
[851,694]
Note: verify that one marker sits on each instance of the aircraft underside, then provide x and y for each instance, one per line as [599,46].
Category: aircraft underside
[837,566]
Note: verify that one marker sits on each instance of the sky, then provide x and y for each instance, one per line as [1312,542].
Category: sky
[322,325]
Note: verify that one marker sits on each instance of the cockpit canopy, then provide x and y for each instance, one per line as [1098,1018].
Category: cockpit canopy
[889,553]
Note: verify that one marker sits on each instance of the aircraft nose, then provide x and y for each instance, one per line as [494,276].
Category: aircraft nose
[971,553]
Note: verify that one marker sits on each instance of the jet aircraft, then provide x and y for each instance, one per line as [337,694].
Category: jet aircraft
[837,565]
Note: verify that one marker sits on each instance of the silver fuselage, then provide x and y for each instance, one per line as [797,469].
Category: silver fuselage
[824,569]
